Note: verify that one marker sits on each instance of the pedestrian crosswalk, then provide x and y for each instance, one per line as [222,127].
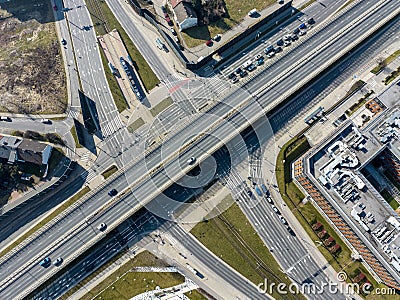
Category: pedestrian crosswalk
[88,175]
[74,112]
[109,127]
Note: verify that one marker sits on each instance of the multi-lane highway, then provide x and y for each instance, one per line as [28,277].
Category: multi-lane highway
[141,191]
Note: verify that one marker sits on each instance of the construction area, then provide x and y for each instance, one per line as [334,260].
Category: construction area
[32,77]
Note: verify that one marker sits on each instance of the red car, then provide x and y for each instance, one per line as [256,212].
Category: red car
[166,15]
[209,43]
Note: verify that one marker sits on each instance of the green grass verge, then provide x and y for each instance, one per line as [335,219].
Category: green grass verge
[232,238]
[161,106]
[147,76]
[111,170]
[237,10]
[195,295]
[136,125]
[75,136]
[307,214]
[144,258]
[46,220]
[389,199]
[392,76]
[385,62]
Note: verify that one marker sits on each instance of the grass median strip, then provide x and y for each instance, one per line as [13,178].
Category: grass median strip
[161,106]
[136,125]
[128,284]
[46,220]
[231,237]
[111,170]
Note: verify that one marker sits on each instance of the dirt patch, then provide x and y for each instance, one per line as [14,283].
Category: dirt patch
[32,78]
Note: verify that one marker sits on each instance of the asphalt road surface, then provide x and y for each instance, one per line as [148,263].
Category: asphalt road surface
[141,191]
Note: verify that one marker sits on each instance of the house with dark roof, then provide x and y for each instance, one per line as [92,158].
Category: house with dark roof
[184,14]
[18,150]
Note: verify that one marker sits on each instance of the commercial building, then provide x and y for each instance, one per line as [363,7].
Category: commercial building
[339,177]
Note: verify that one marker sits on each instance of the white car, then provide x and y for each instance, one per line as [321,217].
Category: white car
[283,220]
[191,160]
[102,227]
[302,32]
[275,209]
[286,43]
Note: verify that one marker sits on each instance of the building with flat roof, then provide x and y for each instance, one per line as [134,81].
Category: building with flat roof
[339,176]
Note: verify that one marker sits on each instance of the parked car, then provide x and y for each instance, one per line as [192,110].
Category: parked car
[260,61]
[294,37]
[249,193]
[275,209]
[242,73]
[238,70]
[217,38]
[112,192]
[302,26]
[251,68]
[278,49]
[302,32]
[164,10]
[279,42]
[269,199]
[45,262]
[58,261]
[264,189]
[45,121]
[283,220]
[64,42]
[231,75]
[311,21]
[296,31]
[286,43]
[234,79]
[209,43]
[177,40]
[173,31]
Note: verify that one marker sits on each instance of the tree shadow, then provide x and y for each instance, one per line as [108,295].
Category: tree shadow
[24,10]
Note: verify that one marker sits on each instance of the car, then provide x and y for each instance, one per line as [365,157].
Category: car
[209,43]
[258,56]
[279,42]
[6,119]
[173,31]
[238,70]
[260,61]
[58,261]
[270,54]
[287,38]
[249,193]
[258,191]
[296,31]
[177,40]
[291,231]
[251,68]
[234,79]
[166,15]
[45,262]
[302,26]
[64,42]
[45,121]
[302,32]
[283,220]
[286,43]
[294,37]
[278,49]
[181,47]
[217,38]
[102,227]
[231,75]
[191,160]
[264,189]
[311,21]
[275,209]
[164,10]
[112,192]
[270,200]
[242,73]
